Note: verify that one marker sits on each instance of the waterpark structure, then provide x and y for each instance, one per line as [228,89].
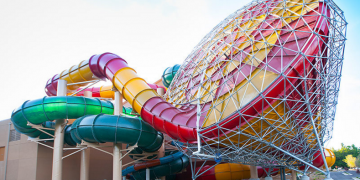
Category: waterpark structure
[255,98]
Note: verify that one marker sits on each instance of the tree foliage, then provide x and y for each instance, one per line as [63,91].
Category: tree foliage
[357,162]
[343,152]
[350,160]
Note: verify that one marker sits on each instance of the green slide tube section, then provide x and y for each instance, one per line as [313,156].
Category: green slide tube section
[170,168]
[46,109]
[118,129]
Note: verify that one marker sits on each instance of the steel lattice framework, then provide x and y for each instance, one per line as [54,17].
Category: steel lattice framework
[265,82]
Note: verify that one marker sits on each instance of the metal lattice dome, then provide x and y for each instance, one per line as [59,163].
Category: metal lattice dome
[265,82]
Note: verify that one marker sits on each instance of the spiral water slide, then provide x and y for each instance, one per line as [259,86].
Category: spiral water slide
[179,122]
[94,123]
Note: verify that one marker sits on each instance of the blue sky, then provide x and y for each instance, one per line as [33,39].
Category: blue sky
[41,38]
[347,121]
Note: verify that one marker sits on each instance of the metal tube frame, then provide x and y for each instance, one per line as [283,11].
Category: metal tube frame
[318,90]
[82,89]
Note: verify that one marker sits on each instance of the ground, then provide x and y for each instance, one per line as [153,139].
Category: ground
[339,175]
[336,175]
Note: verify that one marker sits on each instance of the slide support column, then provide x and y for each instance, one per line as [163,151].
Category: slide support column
[59,137]
[117,162]
[85,154]
[293,175]
[253,173]
[147,174]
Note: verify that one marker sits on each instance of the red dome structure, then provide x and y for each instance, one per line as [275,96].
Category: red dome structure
[261,88]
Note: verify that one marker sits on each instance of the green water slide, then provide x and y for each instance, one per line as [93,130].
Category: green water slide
[167,169]
[94,122]
[110,128]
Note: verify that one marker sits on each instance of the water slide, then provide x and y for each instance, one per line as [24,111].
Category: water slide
[95,124]
[179,122]
[168,165]
[90,115]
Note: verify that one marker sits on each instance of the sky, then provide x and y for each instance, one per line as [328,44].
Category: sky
[39,39]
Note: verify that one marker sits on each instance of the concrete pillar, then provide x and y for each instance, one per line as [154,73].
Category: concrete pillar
[328,177]
[59,137]
[161,152]
[117,163]
[147,174]
[304,177]
[268,178]
[85,154]
[293,175]
[85,164]
[160,91]
[253,173]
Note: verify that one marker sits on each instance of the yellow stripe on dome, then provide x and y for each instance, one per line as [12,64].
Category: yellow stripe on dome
[232,171]
[243,94]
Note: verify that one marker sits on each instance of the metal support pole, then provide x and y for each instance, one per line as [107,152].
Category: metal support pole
[59,137]
[147,174]
[316,134]
[305,177]
[85,164]
[117,160]
[85,154]
[282,173]
[253,173]
[7,151]
[293,175]
[161,152]
[117,163]
[297,158]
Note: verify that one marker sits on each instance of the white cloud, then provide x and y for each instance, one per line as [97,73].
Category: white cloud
[347,121]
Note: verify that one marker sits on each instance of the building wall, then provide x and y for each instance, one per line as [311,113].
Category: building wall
[3,137]
[22,156]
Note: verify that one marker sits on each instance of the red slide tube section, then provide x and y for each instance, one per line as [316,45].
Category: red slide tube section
[162,115]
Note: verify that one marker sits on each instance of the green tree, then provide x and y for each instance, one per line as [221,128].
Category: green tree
[357,162]
[343,152]
[350,160]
